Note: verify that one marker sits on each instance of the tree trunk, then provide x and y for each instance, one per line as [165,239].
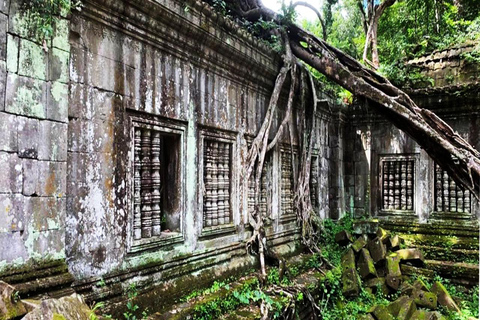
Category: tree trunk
[446,147]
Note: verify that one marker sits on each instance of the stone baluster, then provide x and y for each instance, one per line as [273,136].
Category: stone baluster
[156,184]
[137,203]
[146,185]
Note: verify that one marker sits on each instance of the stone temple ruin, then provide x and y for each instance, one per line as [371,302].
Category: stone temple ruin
[122,144]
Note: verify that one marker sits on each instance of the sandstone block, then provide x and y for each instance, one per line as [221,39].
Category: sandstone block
[28,137]
[393,265]
[26,96]
[8,128]
[343,238]
[413,256]
[381,313]
[360,243]
[57,101]
[33,60]
[425,299]
[382,235]
[53,136]
[350,285]
[10,305]
[420,285]
[3,38]
[406,288]
[394,242]
[11,213]
[365,227]
[444,298]
[377,249]
[366,265]
[58,65]
[71,307]
[393,281]
[11,178]
[13,44]
[403,308]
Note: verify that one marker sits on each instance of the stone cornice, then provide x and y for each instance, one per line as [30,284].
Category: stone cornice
[192,31]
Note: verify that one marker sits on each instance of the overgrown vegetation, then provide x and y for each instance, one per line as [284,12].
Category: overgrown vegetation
[42,15]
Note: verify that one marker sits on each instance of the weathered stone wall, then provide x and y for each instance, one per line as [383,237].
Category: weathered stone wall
[33,141]
[131,95]
[371,141]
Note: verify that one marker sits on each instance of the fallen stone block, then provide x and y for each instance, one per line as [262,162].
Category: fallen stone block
[437,316]
[377,249]
[406,288]
[420,285]
[350,285]
[382,235]
[359,244]
[422,315]
[365,265]
[343,238]
[443,297]
[31,304]
[425,299]
[381,313]
[412,256]
[394,242]
[393,281]
[376,284]
[393,265]
[402,308]
[366,317]
[71,307]
[10,305]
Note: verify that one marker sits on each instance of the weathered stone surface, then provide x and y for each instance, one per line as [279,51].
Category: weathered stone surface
[414,256]
[350,285]
[11,178]
[58,66]
[360,243]
[403,308]
[343,238]
[28,137]
[26,96]
[54,141]
[406,288]
[394,242]
[8,138]
[425,299]
[393,281]
[13,44]
[3,38]
[57,101]
[31,304]
[382,234]
[366,317]
[377,249]
[393,265]
[443,297]
[420,285]
[366,227]
[365,265]
[382,313]
[71,307]
[33,60]
[10,305]
[11,213]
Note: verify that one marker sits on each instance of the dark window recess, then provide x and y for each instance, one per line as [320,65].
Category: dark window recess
[314,182]
[448,196]
[287,184]
[397,190]
[216,180]
[156,183]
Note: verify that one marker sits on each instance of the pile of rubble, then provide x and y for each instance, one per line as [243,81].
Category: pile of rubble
[376,259]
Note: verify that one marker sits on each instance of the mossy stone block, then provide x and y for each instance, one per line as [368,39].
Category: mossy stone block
[406,288]
[359,244]
[414,256]
[381,313]
[443,297]
[382,234]
[425,299]
[393,265]
[394,242]
[377,249]
[366,265]
[421,315]
[350,285]
[10,308]
[343,238]
[393,281]
[420,285]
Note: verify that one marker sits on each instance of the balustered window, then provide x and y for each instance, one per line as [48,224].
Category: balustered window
[266,187]
[216,182]
[287,184]
[398,176]
[448,196]
[156,181]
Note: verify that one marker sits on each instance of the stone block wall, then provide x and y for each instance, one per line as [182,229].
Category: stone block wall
[33,142]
